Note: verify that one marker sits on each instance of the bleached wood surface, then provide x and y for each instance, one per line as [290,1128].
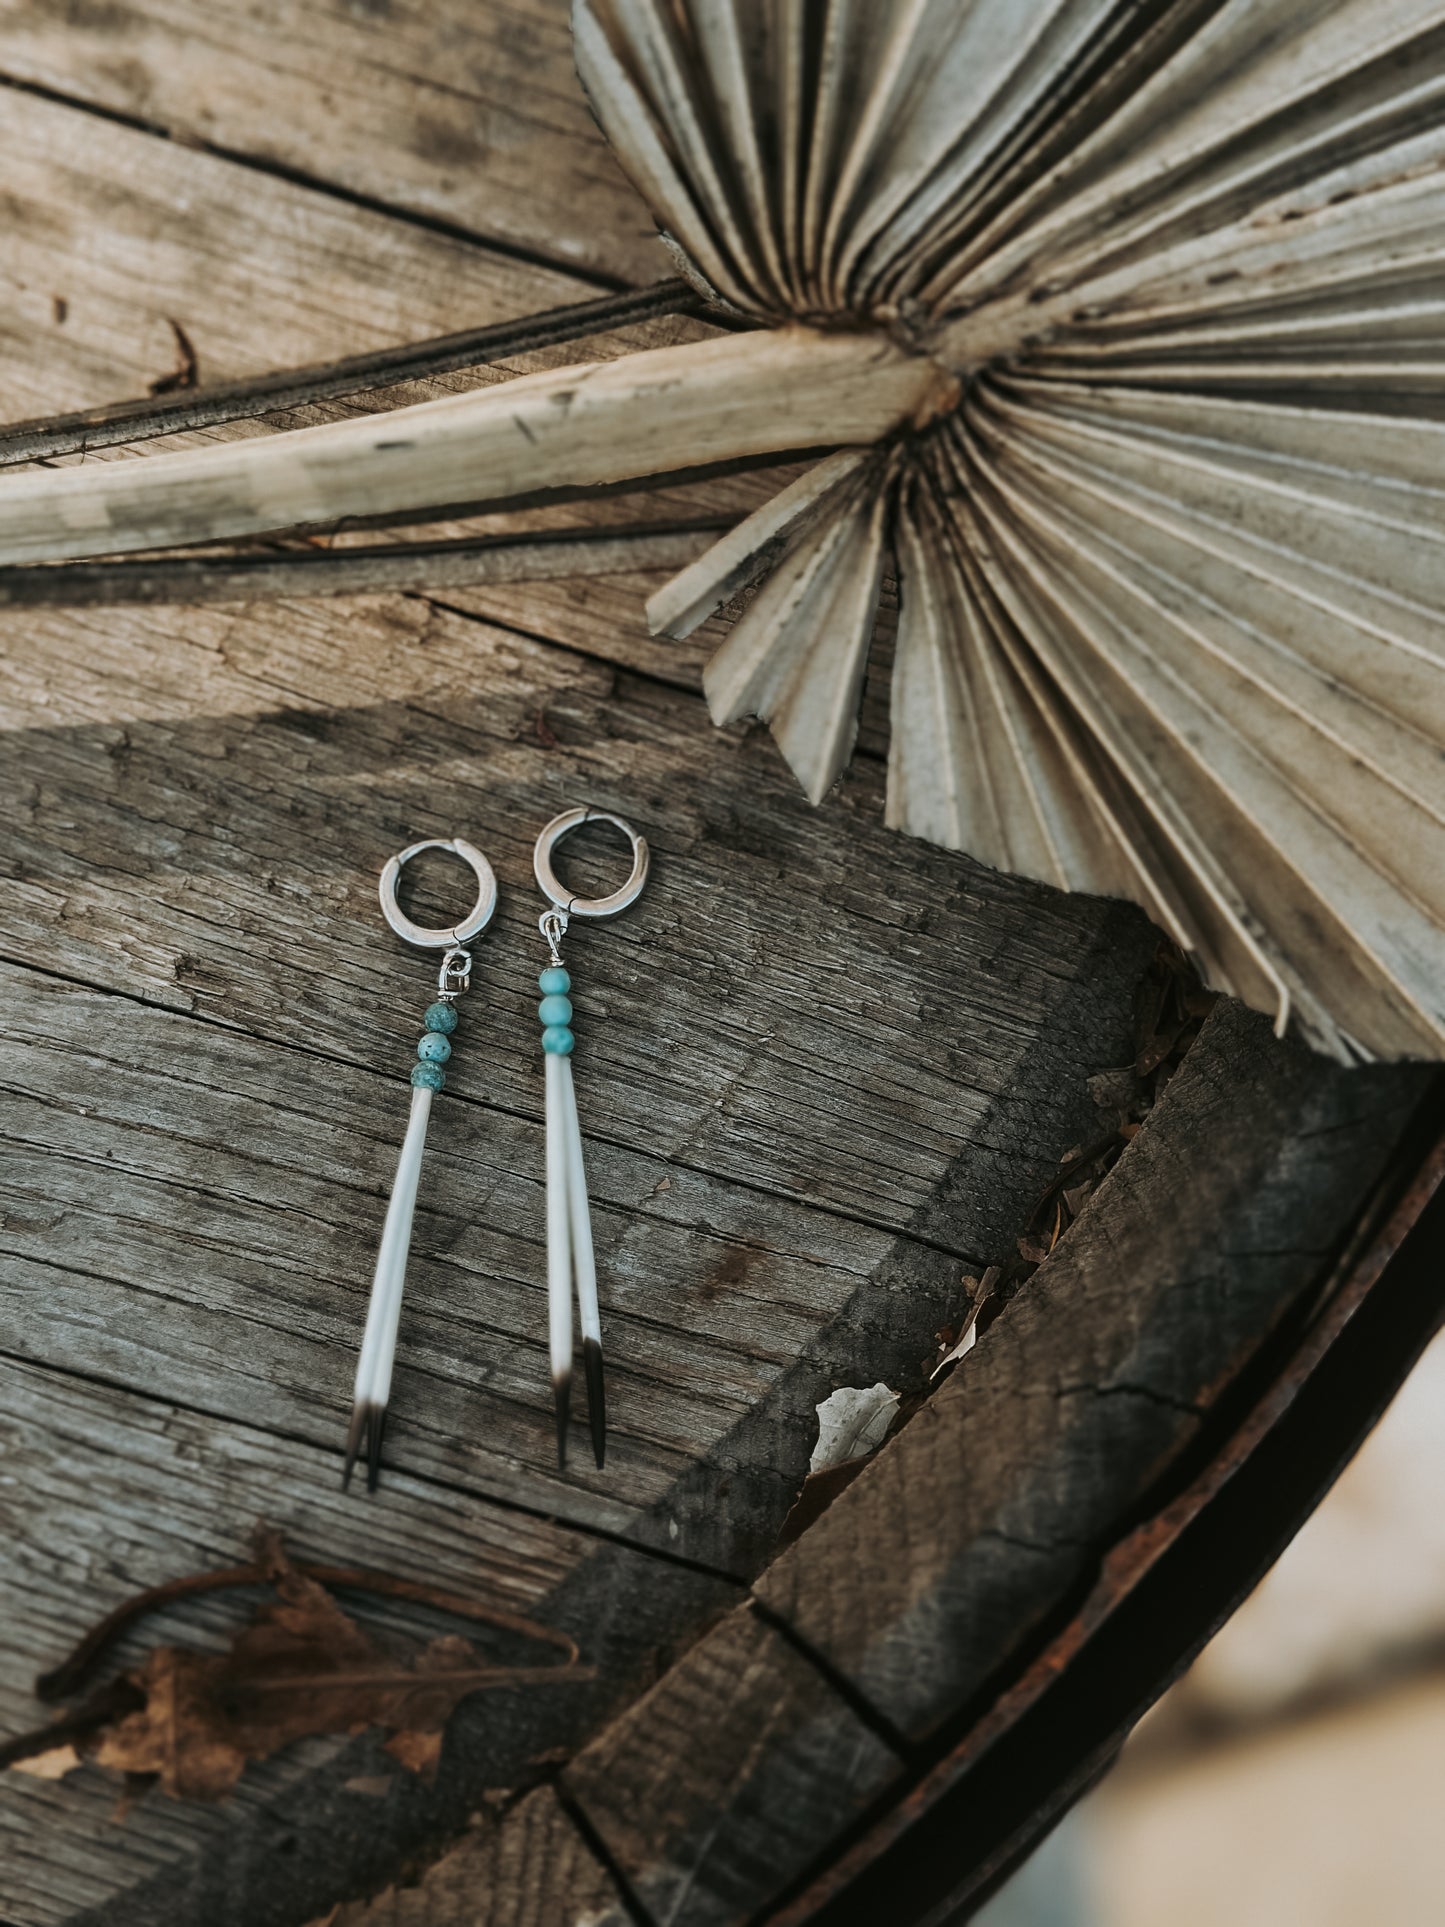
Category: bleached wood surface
[833,1068]
[468,120]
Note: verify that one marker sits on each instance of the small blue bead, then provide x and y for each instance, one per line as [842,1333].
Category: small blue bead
[440,1017]
[553,979]
[434,1048]
[557,1040]
[555,1009]
[432,1076]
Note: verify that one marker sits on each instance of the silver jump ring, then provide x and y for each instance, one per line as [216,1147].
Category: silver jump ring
[553,890]
[470,926]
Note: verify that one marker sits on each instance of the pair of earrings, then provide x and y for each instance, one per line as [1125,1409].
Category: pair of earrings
[570,1262]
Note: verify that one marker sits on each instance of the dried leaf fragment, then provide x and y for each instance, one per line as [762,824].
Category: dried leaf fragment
[852,1422]
[302,1665]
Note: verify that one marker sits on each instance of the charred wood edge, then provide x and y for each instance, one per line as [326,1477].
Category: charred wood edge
[999,1782]
[251,577]
[172,414]
[581,1823]
[122,1695]
[995,1291]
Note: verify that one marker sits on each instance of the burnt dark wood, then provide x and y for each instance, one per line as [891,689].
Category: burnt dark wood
[743,1759]
[505,1872]
[1111,1369]
[939,1853]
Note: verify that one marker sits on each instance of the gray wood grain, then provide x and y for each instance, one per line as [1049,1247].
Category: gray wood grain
[171,861]
[206,1080]
[784,963]
[1094,1384]
[214,1205]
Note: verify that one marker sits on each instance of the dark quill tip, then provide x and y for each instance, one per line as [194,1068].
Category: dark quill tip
[368,1422]
[562,1398]
[596,1398]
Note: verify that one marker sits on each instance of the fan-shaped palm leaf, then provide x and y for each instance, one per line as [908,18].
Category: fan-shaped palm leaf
[1141,310]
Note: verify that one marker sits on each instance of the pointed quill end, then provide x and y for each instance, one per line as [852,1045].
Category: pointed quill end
[562,1398]
[596,1398]
[368,1422]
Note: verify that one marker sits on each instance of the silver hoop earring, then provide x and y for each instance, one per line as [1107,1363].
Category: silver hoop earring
[383,1315]
[570,1260]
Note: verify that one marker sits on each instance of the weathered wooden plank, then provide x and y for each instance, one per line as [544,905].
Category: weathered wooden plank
[528,1868]
[111,236]
[785,962]
[729,1026]
[730,1774]
[110,1492]
[196,1214]
[471,116]
[1097,1381]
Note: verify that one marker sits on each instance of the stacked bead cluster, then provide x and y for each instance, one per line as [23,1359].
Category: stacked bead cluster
[435,1046]
[555,1011]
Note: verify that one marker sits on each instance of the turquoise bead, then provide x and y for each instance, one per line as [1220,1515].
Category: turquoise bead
[557,1040]
[440,1017]
[554,981]
[555,1009]
[430,1076]
[434,1048]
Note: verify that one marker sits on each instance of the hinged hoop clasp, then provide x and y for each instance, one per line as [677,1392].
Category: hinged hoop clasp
[469,926]
[561,899]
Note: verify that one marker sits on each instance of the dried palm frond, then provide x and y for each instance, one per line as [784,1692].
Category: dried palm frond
[1126,320]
